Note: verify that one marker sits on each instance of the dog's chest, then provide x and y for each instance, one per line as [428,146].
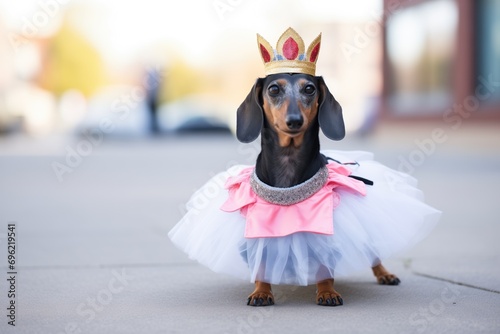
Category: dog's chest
[286,173]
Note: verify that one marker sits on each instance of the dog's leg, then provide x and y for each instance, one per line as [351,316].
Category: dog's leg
[383,276]
[326,294]
[262,295]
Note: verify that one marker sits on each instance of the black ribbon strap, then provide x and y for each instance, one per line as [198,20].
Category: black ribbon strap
[362,179]
[355,163]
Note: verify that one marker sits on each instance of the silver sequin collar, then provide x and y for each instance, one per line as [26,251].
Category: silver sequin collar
[292,195]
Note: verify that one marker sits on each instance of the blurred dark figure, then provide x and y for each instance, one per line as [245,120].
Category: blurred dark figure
[153,80]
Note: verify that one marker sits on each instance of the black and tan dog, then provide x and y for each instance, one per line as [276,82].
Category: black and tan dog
[287,110]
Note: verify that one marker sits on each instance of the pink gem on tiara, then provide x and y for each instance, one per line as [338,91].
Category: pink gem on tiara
[290,49]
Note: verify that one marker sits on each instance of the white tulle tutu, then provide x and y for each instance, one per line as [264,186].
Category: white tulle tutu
[367,229]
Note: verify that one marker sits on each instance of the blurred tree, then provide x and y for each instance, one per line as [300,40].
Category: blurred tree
[71,62]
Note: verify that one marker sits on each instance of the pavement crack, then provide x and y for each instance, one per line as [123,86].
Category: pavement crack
[455,282]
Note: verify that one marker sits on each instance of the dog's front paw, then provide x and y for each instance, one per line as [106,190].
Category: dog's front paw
[261,296]
[329,298]
[326,294]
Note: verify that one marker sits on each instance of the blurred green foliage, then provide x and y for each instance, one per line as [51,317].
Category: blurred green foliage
[72,63]
[181,80]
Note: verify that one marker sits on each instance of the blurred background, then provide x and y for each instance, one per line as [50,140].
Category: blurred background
[136,68]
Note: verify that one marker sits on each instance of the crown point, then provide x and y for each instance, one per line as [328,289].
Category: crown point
[314,53]
[290,55]
[290,49]
[265,55]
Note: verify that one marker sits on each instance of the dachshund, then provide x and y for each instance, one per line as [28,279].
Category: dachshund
[288,110]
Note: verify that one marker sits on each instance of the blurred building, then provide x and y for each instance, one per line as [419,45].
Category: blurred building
[441,60]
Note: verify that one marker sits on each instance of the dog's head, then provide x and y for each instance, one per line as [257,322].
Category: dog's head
[290,103]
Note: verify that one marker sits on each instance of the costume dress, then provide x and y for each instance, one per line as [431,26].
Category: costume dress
[343,227]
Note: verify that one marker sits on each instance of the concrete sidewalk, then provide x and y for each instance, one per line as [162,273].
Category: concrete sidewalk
[93,255]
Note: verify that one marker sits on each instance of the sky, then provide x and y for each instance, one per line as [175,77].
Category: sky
[120,28]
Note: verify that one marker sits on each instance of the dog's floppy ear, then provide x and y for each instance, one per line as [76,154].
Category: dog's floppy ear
[330,113]
[249,116]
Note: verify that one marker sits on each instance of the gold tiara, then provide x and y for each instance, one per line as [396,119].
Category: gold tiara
[290,55]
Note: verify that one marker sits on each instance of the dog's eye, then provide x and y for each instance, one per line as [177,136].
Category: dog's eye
[309,89]
[273,90]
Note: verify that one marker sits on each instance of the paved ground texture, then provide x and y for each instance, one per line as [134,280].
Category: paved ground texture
[92,253]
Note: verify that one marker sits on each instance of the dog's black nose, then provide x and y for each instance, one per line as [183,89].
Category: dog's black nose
[294,122]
